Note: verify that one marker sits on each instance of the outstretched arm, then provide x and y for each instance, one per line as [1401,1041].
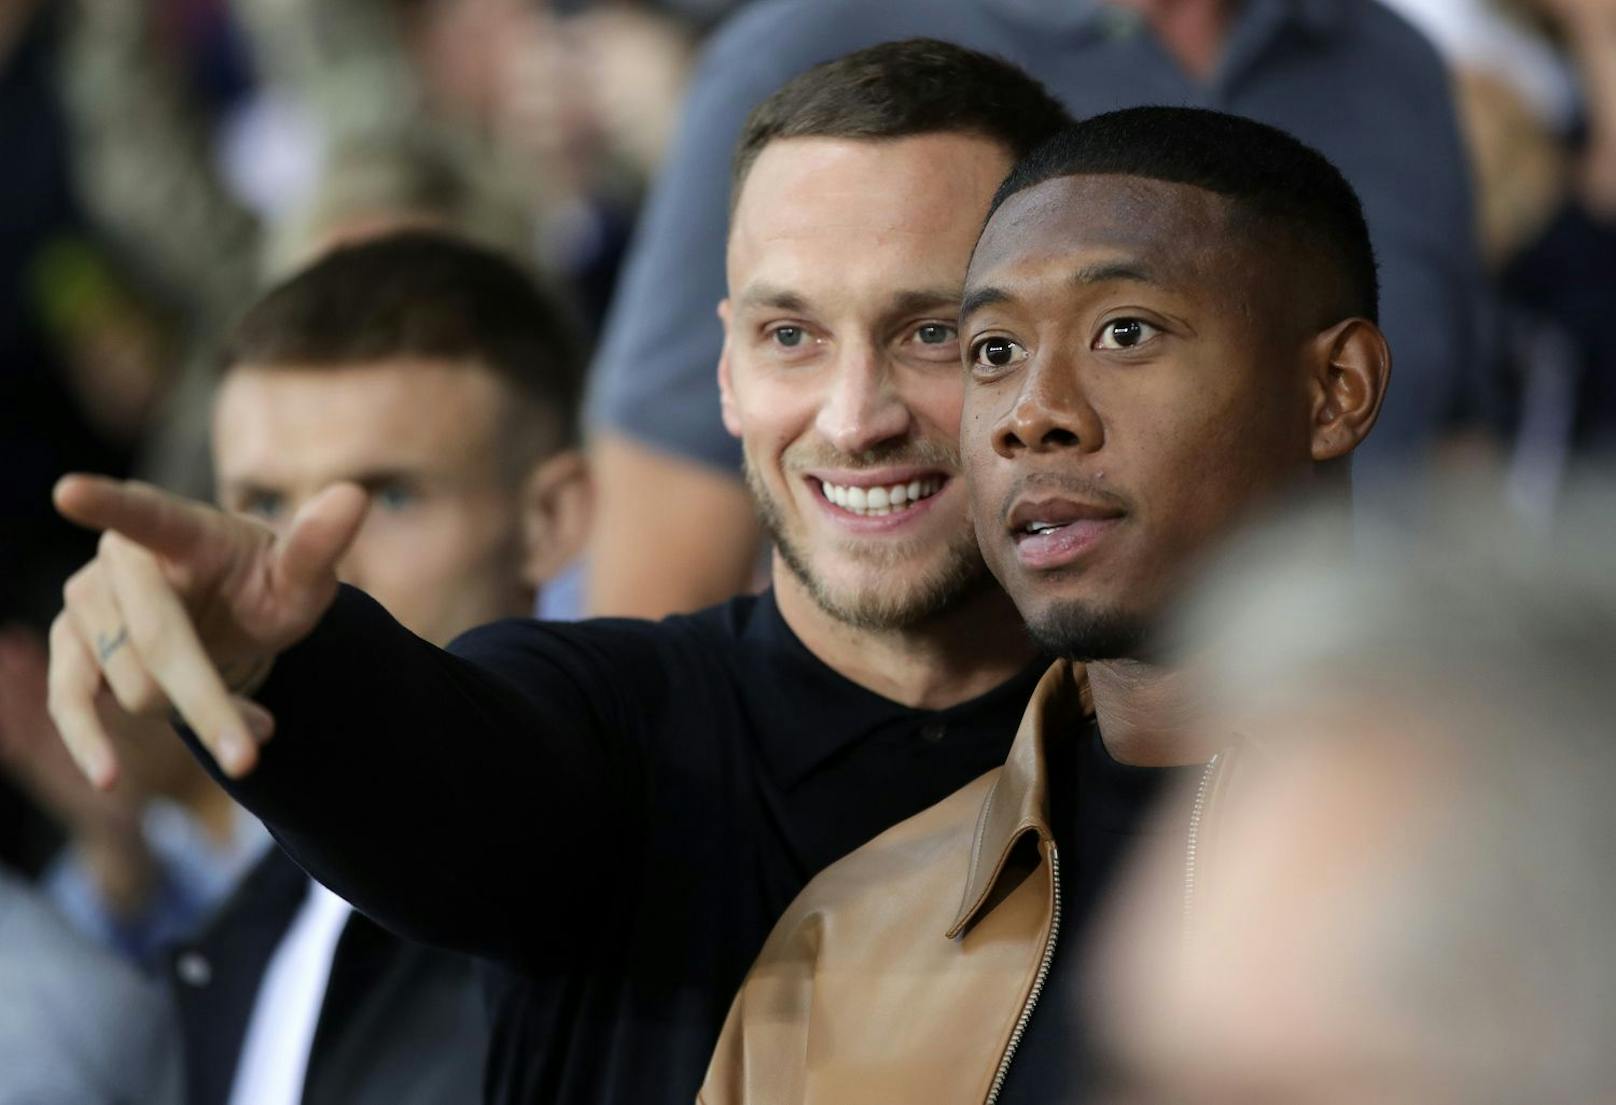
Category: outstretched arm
[446,797]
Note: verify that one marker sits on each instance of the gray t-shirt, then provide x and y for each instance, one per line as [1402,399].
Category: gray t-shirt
[1348,77]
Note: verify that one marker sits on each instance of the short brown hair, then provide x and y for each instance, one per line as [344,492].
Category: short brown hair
[424,294]
[899,90]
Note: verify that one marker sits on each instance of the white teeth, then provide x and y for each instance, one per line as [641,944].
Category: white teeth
[879,501]
[1041,527]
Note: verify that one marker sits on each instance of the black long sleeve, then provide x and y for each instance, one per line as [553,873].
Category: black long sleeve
[613,811]
[456,796]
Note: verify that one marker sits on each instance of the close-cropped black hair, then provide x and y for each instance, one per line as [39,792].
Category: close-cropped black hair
[903,89]
[1267,175]
[421,294]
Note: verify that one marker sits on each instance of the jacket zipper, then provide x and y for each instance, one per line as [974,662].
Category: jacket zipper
[1192,846]
[1037,983]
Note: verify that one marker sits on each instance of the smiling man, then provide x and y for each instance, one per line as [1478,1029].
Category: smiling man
[1168,325]
[617,811]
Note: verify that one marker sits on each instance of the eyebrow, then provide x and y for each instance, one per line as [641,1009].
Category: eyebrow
[923,300]
[369,478]
[1088,275]
[981,297]
[1107,271]
[772,295]
[907,302]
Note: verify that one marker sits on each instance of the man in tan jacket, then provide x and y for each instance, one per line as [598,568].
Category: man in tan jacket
[1168,324]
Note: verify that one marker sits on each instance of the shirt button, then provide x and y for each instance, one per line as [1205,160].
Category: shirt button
[194,969]
[933,732]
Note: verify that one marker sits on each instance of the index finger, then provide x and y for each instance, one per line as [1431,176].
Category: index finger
[161,634]
[166,524]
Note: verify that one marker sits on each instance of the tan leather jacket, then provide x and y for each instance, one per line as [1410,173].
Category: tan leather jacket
[908,971]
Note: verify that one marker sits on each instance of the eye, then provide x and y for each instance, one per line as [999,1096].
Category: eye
[936,333]
[994,353]
[1125,333]
[266,505]
[789,337]
[393,496]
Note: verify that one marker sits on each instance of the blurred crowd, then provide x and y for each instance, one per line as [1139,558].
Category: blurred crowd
[543,188]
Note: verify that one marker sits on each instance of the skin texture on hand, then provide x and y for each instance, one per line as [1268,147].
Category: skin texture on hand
[181,607]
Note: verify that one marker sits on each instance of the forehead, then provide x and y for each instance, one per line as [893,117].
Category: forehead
[284,424]
[1177,232]
[920,198]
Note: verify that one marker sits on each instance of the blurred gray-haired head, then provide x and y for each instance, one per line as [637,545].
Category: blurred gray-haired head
[1415,885]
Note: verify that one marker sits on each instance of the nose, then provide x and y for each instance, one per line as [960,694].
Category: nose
[1051,412]
[862,408]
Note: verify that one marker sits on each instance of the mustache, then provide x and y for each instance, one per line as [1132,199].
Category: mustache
[1062,484]
[921,454]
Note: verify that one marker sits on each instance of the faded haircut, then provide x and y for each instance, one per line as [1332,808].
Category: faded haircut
[1271,179]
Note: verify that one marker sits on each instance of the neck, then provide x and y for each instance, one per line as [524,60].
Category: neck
[1192,31]
[965,651]
[1145,715]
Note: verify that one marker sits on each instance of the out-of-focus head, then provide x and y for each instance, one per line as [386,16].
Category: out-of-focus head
[858,191]
[374,185]
[437,375]
[1405,894]
[1169,317]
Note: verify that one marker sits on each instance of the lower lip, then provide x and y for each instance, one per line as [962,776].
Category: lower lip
[877,523]
[1059,547]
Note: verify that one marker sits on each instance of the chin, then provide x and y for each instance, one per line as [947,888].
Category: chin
[891,595]
[1085,631]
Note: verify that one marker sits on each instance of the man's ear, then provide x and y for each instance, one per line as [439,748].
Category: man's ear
[1352,364]
[557,505]
[726,386]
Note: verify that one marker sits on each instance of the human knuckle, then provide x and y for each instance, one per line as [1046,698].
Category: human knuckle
[150,639]
[77,588]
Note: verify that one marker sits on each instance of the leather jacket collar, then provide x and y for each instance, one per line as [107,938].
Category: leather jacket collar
[1018,803]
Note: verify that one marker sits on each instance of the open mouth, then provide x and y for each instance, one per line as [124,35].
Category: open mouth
[881,500]
[1054,532]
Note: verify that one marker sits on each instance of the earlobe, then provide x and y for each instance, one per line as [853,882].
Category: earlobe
[726,387]
[558,505]
[1349,384]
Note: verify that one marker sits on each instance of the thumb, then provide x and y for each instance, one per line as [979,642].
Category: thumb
[319,534]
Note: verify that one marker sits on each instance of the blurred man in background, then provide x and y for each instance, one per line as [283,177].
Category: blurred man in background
[434,374]
[1408,895]
[1347,76]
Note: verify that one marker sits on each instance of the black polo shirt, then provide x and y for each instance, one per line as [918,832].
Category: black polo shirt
[615,812]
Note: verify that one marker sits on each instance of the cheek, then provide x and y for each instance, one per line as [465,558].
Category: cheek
[935,394]
[773,412]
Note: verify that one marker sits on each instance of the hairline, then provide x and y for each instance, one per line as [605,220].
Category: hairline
[741,171]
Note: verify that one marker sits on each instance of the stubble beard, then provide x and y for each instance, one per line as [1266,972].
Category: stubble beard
[899,601]
[1085,633]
